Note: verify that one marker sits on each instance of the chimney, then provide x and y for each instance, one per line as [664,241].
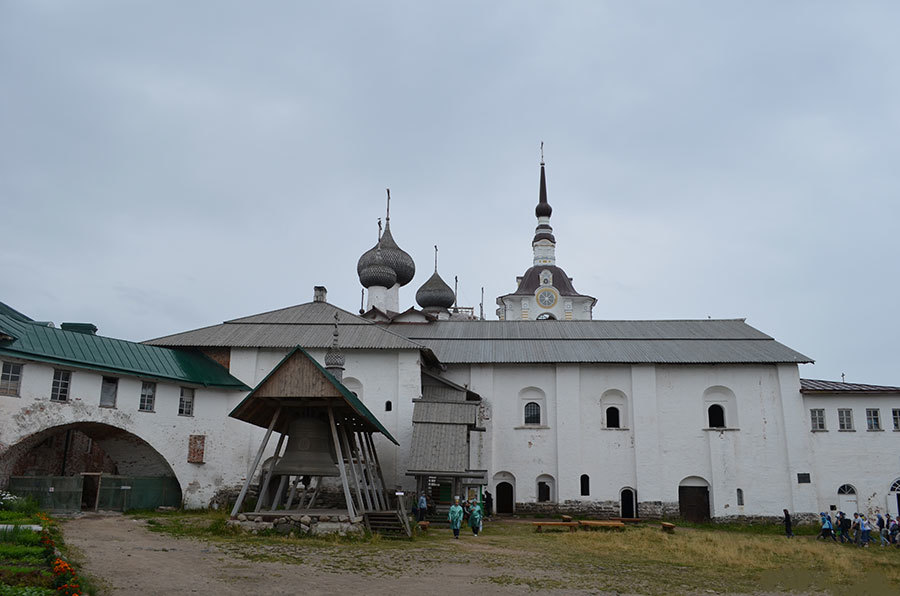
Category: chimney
[319,293]
[86,328]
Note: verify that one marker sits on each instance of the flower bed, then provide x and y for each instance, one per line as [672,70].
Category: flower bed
[30,562]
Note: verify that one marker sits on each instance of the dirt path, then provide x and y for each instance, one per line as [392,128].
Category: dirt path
[129,559]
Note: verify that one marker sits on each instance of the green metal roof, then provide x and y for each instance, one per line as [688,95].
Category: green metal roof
[9,311]
[33,341]
[260,412]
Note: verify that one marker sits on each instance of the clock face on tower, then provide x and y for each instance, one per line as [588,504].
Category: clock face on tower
[546,298]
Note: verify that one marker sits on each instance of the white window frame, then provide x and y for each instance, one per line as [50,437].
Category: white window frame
[186,402]
[845,419]
[62,383]
[895,414]
[11,379]
[873,419]
[817,419]
[147,402]
[115,391]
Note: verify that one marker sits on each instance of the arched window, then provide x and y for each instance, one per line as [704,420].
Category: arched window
[612,417]
[740,497]
[895,488]
[545,492]
[585,485]
[546,316]
[388,406]
[716,416]
[532,413]
[847,489]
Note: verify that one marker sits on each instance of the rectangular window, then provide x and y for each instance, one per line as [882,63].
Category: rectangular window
[845,419]
[895,413]
[108,391]
[186,402]
[148,397]
[10,379]
[817,418]
[873,419]
[60,390]
[803,478]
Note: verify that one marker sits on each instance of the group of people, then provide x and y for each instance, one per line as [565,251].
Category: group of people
[469,510]
[858,530]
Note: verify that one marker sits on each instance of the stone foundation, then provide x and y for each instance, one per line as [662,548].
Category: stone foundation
[301,525]
[599,509]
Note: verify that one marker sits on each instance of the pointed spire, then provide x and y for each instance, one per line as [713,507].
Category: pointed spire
[543,208]
[334,359]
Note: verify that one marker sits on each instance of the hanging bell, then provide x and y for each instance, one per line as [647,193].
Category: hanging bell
[309,451]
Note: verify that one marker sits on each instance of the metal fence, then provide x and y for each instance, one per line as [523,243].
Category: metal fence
[115,493]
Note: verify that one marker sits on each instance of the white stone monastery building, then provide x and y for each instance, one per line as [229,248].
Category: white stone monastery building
[546,407]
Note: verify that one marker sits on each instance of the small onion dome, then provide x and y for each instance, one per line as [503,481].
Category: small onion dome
[435,293]
[396,258]
[376,272]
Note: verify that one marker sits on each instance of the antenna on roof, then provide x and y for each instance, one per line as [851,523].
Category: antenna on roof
[481,305]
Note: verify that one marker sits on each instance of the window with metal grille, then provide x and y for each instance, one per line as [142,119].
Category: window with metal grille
[532,413]
[612,417]
[148,397]
[60,390]
[186,402]
[585,485]
[895,414]
[873,419]
[108,390]
[10,378]
[845,419]
[817,419]
[716,416]
[740,497]
[846,489]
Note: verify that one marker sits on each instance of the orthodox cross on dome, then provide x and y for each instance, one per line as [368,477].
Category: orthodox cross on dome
[388,217]
[435,258]
[544,243]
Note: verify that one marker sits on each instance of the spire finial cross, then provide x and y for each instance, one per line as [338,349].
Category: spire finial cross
[379,229]
[542,152]
[435,258]
[388,218]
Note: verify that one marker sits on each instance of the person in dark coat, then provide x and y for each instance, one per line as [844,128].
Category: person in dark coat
[488,504]
[788,528]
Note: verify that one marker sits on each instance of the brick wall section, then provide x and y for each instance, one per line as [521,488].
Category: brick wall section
[45,459]
[220,355]
[196,448]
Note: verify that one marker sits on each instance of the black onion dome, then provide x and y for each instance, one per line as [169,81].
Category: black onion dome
[435,293]
[376,272]
[543,208]
[396,258]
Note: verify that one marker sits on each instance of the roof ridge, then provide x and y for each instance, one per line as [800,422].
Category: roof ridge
[268,312]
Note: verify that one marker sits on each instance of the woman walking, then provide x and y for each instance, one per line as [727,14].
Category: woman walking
[475,517]
[788,531]
[455,517]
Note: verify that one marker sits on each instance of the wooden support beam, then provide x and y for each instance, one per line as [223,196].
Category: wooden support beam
[372,485]
[293,492]
[342,430]
[312,499]
[259,454]
[279,494]
[341,468]
[263,492]
[387,497]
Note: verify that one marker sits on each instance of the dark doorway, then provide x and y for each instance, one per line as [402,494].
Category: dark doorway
[90,488]
[504,498]
[543,492]
[693,503]
[716,416]
[627,503]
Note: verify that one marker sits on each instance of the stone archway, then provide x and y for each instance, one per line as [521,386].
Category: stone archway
[89,465]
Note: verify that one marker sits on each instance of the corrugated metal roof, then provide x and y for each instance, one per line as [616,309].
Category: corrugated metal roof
[445,413]
[652,342]
[817,386]
[439,448]
[33,341]
[309,325]
[9,311]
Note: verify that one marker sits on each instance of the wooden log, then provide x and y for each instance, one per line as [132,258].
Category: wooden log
[259,454]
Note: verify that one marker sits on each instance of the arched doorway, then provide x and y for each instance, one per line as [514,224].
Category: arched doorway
[847,501]
[693,499]
[89,465]
[894,498]
[505,498]
[626,505]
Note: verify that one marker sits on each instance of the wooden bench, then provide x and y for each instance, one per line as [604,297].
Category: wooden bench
[612,525]
[566,518]
[571,525]
[423,525]
[667,527]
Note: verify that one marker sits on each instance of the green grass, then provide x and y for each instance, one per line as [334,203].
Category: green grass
[15,551]
[20,536]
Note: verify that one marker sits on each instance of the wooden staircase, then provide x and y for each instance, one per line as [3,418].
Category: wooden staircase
[387,523]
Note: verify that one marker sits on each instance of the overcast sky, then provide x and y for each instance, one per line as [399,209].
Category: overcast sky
[170,165]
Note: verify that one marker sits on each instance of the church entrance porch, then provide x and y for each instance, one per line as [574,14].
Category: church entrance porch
[505,499]
[693,499]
